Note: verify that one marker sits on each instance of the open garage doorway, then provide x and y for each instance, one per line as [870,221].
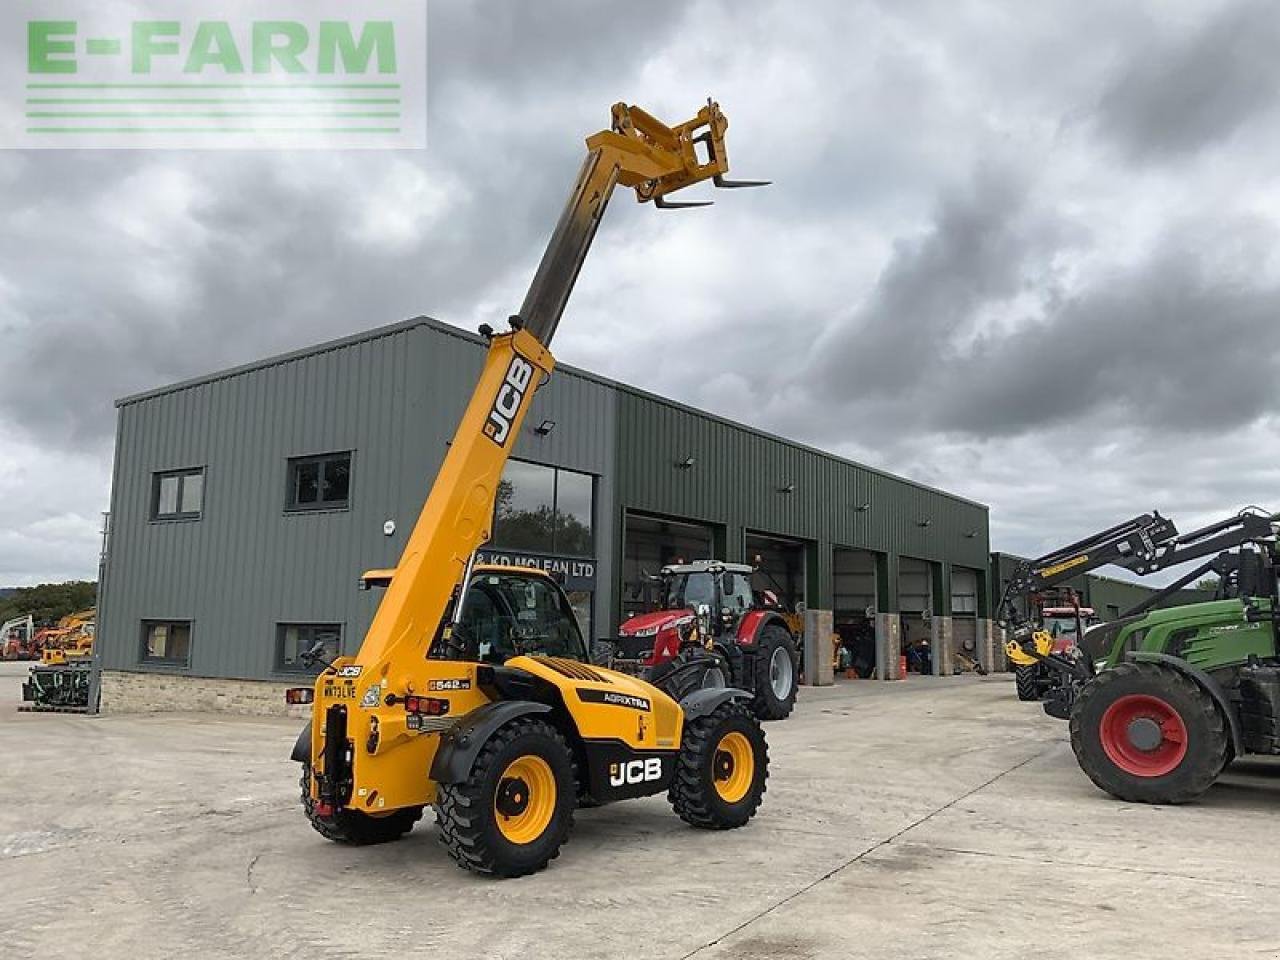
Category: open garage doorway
[648,544]
[964,612]
[915,601]
[854,604]
[781,567]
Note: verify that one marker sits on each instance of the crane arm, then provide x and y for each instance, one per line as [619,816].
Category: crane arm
[638,152]
[1135,540]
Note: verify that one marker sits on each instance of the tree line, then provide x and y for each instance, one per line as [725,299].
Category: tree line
[49,602]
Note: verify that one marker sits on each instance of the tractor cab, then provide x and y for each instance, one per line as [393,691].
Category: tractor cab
[720,592]
[1064,626]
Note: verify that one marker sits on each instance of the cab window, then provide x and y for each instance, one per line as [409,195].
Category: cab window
[736,590]
[507,615]
[690,590]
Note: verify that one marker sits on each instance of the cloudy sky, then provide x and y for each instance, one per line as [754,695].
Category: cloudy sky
[1029,253]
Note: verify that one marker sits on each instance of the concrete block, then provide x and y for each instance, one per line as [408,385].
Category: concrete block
[818,630]
[888,646]
[942,645]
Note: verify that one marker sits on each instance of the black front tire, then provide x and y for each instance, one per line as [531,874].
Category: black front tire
[768,704]
[1174,695]
[353,827]
[467,815]
[1027,683]
[693,793]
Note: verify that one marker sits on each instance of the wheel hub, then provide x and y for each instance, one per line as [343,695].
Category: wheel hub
[781,673]
[1144,733]
[513,797]
[723,765]
[733,767]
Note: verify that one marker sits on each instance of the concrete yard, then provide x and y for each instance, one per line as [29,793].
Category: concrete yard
[932,818]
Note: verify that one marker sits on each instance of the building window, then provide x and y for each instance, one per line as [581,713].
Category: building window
[177,495]
[319,483]
[544,509]
[295,639]
[167,642]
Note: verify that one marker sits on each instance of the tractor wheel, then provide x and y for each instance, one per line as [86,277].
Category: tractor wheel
[515,809]
[693,668]
[1147,734]
[721,770]
[1025,680]
[777,674]
[352,826]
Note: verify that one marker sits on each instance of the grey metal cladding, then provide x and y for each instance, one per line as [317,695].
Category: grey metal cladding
[740,473]
[393,397]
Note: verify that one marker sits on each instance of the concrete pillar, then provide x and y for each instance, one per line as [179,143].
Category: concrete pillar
[942,644]
[988,653]
[999,660]
[818,630]
[888,646]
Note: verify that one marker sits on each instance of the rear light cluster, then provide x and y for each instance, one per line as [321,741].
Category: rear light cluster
[299,695]
[420,709]
[426,706]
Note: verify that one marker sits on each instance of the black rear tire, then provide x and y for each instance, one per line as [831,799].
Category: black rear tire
[693,668]
[1027,683]
[1130,772]
[694,794]
[353,827]
[467,813]
[768,704]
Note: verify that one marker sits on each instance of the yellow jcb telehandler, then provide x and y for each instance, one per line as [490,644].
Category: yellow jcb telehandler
[472,690]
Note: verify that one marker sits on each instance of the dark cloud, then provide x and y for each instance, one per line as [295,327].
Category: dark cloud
[956,274]
[1181,93]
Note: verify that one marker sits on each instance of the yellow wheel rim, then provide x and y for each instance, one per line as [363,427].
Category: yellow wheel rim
[525,800]
[733,767]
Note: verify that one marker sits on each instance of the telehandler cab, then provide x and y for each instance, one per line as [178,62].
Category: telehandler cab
[471,691]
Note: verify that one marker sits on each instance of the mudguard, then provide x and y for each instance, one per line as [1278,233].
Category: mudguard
[749,627]
[1202,680]
[702,702]
[460,745]
[302,749]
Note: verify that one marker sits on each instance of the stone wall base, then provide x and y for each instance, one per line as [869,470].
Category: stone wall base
[123,692]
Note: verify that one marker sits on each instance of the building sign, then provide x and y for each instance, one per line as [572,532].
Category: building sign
[579,573]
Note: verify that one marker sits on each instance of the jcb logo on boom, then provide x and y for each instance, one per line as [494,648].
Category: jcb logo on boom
[507,403]
[635,771]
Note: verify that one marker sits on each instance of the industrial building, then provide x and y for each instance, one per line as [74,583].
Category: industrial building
[246,504]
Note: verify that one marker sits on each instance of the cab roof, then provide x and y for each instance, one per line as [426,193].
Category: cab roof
[708,566]
[510,568]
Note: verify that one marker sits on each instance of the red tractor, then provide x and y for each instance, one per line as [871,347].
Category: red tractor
[1058,613]
[712,630]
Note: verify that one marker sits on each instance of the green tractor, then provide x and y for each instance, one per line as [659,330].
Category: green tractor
[1180,693]
[1160,701]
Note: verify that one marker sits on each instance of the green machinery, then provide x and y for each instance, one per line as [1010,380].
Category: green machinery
[1160,701]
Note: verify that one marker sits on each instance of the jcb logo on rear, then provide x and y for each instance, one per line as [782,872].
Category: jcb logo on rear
[635,771]
[507,403]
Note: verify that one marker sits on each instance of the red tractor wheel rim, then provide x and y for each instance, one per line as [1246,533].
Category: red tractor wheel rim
[1143,735]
